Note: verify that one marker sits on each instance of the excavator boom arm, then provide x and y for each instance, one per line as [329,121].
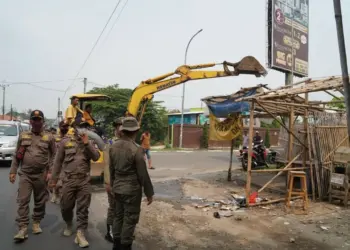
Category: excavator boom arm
[144,92]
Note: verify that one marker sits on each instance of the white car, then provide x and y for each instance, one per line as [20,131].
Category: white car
[9,133]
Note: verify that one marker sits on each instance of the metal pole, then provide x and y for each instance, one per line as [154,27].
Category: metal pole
[343,61]
[3,101]
[183,90]
[85,83]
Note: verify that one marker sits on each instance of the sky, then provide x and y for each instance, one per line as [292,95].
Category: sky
[49,41]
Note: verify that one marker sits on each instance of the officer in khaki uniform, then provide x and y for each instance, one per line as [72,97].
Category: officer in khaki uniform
[56,194]
[129,176]
[110,212]
[35,152]
[74,157]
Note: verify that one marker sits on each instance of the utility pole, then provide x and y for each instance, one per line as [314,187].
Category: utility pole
[59,112]
[11,112]
[3,86]
[85,84]
[3,100]
[343,61]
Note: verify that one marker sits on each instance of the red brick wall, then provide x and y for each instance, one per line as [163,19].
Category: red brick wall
[192,135]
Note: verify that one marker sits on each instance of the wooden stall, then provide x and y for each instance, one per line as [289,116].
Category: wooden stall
[313,142]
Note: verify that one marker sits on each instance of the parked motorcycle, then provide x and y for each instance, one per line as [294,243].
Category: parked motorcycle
[271,156]
[259,156]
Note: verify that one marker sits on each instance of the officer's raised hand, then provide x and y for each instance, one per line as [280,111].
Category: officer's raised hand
[12,178]
[85,138]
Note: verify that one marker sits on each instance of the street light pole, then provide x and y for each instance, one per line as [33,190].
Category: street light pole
[183,90]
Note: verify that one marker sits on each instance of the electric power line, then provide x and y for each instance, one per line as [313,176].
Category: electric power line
[93,47]
[96,84]
[115,22]
[57,90]
[48,81]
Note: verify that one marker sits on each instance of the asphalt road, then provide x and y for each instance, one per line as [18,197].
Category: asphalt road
[52,224]
[172,165]
[169,165]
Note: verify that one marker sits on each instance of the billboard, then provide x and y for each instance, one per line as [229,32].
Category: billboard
[288,36]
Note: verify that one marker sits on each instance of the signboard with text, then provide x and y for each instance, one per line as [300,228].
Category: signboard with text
[288,36]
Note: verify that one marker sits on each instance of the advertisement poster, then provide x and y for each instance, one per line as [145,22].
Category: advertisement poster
[289,33]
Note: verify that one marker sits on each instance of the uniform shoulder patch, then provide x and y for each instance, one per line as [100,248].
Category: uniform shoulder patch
[26,135]
[45,137]
[69,144]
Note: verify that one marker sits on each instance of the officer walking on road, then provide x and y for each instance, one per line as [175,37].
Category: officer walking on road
[111,206]
[128,176]
[35,152]
[56,192]
[74,157]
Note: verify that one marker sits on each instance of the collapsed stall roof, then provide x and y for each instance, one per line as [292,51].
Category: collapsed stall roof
[276,101]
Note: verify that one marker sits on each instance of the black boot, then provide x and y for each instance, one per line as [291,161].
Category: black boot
[116,244]
[108,235]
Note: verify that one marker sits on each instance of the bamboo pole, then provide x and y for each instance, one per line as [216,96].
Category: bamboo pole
[289,131]
[292,104]
[307,151]
[290,137]
[305,123]
[229,174]
[334,149]
[274,201]
[330,126]
[279,173]
[313,145]
[250,151]
[276,170]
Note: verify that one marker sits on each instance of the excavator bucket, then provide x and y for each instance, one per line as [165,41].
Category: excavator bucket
[248,65]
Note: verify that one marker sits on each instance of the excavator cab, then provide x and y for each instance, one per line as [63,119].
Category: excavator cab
[97,167]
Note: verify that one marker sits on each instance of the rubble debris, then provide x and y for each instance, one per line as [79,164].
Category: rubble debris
[225,213]
[324,228]
[196,198]
[216,215]
[238,218]
[292,240]
[196,205]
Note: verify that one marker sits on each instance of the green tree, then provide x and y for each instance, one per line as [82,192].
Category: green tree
[267,138]
[154,119]
[204,140]
[273,124]
[338,105]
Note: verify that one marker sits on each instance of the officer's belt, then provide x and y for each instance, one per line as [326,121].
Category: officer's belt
[33,170]
[76,175]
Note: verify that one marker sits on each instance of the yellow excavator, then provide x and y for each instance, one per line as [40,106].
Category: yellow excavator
[143,93]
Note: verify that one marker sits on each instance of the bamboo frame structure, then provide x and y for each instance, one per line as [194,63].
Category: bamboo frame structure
[316,145]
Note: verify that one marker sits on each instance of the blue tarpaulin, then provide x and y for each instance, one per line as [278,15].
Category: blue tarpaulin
[223,109]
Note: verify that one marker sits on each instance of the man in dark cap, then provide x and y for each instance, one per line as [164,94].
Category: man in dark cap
[111,207]
[34,153]
[56,192]
[74,157]
[129,176]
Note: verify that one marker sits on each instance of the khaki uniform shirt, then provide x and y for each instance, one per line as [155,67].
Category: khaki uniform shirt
[128,168]
[74,157]
[39,154]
